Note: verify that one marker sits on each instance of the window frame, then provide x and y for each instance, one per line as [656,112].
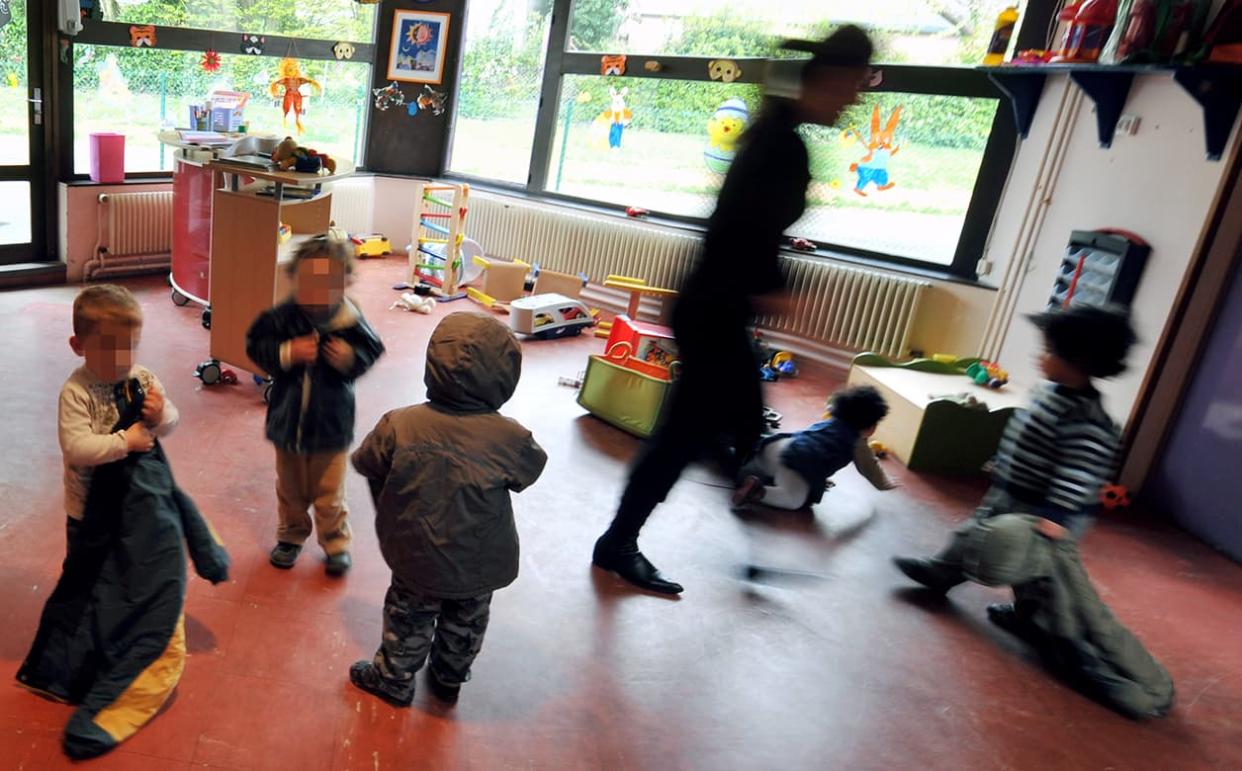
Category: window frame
[998,153]
[116,34]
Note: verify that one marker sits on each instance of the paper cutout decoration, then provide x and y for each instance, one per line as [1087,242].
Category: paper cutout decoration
[612,65]
[253,44]
[651,65]
[89,10]
[343,50]
[142,36]
[873,167]
[611,123]
[430,100]
[723,131]
[388,97]
[210,61]
[291,81]
[725,70]
[6,14]
[66,53]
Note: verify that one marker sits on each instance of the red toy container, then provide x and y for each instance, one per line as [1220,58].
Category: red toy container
[1088,31]
[653,343]
[107,157]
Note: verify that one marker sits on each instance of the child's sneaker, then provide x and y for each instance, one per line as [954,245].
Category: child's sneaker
[749,491]
[366,677]
[338,564]
[445,692]
[285,555]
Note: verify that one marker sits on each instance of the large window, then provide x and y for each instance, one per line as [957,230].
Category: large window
[135,92]
[138,91]
[925,198]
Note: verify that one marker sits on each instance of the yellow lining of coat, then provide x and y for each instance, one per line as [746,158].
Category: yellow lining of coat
[139,702]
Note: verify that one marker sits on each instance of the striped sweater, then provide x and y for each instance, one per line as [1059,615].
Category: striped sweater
[1058,452]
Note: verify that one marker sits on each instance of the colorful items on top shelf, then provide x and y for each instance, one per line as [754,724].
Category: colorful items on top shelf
[1001,34]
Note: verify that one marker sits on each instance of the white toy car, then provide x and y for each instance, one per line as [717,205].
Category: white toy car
[549,316]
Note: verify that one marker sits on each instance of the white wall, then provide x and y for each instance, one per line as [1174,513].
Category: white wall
[1156,183]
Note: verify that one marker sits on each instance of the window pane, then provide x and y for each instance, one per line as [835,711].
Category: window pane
[14,212]
[909,192]
[319,19]
[136,91]
[906,31]
[658,160]
[498,92]
[14,90]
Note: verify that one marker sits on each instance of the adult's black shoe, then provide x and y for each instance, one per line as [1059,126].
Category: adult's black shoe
[629,563]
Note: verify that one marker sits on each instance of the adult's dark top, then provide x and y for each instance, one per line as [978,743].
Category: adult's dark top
[762,195]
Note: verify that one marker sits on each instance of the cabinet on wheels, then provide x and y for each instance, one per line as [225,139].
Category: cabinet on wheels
[248,263]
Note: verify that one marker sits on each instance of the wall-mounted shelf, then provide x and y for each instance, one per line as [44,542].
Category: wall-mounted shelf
[1216,87]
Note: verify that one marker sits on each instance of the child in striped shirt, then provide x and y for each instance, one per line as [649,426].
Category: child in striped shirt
[1055,455]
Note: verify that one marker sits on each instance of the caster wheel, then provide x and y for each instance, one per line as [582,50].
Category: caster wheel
[206,318]
[209,372]
[228,377]
[168,278]
[267,394]
[179,299]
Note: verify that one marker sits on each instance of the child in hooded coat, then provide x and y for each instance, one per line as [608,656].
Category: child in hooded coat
[441,474]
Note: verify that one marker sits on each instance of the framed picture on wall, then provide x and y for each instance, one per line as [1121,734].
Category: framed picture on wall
[419,39]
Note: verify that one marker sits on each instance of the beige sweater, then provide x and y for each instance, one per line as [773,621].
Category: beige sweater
[86,416]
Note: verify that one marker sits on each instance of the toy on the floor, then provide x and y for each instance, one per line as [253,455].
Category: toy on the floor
[438,235]
[1113,497]
[638,288]
[549,316]
[987,373]
[291,81]
[629,385]
[778,365]
[415,303]
[503,282]
[289,155]
[371,245]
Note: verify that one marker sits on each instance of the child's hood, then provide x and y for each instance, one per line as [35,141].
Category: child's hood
[473,363]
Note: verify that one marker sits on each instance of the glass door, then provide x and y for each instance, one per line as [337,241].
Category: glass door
[21,132]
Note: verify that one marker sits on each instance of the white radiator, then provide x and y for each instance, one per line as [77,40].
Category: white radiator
[135,234]
[353,204]
[838,309]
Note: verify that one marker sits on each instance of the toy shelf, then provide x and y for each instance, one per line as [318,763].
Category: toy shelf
[1216,87]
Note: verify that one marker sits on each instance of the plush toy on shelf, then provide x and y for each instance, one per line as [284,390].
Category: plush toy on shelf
[291,81]
[288,155]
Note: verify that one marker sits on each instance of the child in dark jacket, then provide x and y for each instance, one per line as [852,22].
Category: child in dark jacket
[314,345]
[440,475]
[792,470]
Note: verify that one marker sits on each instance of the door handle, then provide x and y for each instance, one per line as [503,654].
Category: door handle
[37,102]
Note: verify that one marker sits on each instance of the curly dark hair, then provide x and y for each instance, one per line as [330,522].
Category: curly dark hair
[1093,339]
[860,407]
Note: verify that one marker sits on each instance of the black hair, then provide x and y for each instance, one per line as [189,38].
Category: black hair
[848,46]
[860,407]
[1093,339]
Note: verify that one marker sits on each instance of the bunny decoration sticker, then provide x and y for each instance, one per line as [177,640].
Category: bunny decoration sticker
[873,167]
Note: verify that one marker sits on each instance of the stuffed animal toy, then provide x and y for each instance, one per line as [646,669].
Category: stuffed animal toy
[288,155]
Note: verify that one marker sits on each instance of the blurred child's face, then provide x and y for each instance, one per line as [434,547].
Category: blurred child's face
[320,283]
[1059,370]
[868,433]
[109,349]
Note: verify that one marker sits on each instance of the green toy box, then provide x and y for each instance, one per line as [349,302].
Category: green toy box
[628,399]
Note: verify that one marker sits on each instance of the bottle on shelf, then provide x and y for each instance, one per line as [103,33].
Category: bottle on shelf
[1006,22]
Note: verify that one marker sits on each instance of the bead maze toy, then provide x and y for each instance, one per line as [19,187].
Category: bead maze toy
[437,237]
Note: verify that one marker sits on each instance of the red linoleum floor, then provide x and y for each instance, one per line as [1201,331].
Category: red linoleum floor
[840,669]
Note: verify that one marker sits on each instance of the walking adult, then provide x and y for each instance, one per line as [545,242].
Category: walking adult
[717,399]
